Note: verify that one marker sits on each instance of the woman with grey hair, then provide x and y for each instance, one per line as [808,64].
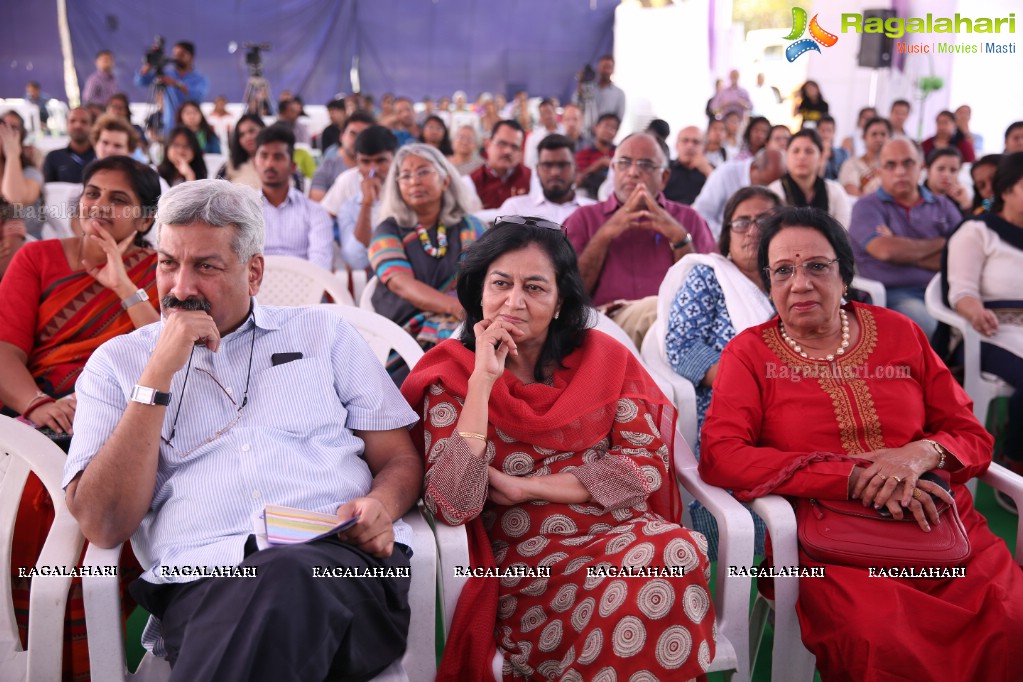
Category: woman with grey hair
[415,250]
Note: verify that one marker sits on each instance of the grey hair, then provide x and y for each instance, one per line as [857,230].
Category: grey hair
[217,203]
[662,147]
[456,202]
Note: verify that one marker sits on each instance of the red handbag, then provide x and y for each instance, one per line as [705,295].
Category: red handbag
[847,533]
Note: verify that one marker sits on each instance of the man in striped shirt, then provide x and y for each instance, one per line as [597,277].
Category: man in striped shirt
[295,225]
[187,428]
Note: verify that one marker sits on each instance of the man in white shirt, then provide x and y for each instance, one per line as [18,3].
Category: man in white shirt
[295,226]
[548,126]
[556,171]
[728,178]
[374,151]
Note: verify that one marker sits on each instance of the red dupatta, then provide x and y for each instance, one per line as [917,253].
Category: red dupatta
[575,413]
[77,315]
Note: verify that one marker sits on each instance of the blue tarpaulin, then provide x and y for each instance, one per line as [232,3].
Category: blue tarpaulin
[410,47]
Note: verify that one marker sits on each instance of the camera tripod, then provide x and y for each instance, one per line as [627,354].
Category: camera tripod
[258,99]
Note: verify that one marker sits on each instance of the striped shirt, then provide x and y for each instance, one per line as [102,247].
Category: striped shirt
[292,444]
[299,227]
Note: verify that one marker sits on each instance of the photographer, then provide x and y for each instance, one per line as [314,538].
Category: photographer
[181,84]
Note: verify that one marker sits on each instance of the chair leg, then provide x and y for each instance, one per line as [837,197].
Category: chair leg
[757,625]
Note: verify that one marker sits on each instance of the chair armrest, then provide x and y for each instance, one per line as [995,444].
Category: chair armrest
[420,660]
[102,598]
[453,550]
[1010,483]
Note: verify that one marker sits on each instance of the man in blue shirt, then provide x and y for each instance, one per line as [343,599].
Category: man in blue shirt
[187,428]
[182,83]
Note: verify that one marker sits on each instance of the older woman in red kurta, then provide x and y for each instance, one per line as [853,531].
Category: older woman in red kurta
[554,445]
[862,381]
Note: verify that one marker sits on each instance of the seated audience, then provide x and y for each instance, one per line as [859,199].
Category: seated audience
[870,439]
[335,163]
[1014,138]
[985,283]
[118,106]
[859,175]
[853,144]
[897,116]
[899,232]
[832,157]
[435,133]
[288,113]
[714,148]
[21,183]
[802,186]
[593,163]
[415,250]
[503,174]
[982,173]
[182,159]
[732,140]
[778,138]
[962,118]
[754,137]
[763,169]
[66,165]
[572,121]
[627,243]
[374,151]
[556,172]
[191,116]
[331,135]
[404,124]
[465,147]
[811,106]
[239,166]
[948,136]
[547,125]
[690,169]
[59,301]
[113,136]
[152,461]
[553,445]
[943,177]
[295,225]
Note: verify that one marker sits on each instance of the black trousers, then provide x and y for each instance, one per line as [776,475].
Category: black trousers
[284,623]
[1009,367]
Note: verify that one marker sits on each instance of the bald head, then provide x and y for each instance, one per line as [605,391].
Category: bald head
[688,145]
[768,166]
[900,169]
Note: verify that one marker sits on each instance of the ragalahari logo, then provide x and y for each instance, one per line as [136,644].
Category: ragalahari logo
[819,35]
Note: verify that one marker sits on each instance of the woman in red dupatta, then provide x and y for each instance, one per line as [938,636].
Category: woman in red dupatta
[59,300]
[863,424]
[553,445]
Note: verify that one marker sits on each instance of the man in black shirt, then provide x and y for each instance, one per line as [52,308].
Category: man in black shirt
[690,170]
[65,165]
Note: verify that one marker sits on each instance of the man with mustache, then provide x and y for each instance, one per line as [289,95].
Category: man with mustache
[186,429]
[295,225]
[503,175]
[556,172]
[181,84]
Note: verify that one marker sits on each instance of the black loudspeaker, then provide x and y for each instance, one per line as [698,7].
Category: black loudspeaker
[876,48]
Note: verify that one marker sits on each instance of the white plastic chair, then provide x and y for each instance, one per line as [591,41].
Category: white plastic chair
[790,660]
[380,333]
[291,281]
[23,449]
[60,198]
[366,299]
[602,322]
[877,291]
[732,592]
[981,386]
[213,163]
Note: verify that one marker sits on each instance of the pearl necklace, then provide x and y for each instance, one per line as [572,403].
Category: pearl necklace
[841,349]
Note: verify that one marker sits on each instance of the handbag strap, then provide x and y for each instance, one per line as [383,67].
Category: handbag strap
[785,474]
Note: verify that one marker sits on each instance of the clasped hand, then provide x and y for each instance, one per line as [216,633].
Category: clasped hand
[641,210]
[893,481]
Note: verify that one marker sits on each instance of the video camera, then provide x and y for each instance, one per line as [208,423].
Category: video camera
[254,57]
[155,57]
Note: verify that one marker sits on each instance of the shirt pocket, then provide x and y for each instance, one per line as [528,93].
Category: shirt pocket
[298,397]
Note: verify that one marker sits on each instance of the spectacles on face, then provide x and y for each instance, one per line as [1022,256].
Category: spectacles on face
[623,164]
[530,221]
[743,225]
[421,175]
[812,269]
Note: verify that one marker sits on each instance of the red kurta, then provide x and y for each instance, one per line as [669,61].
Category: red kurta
[770,406]
[570,625]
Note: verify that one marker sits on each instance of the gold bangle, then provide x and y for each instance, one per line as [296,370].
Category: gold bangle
[470,434]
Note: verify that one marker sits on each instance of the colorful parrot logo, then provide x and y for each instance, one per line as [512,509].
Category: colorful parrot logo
[819,35]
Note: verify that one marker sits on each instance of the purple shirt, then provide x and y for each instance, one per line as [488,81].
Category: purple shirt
[932,216]
[638,259]
[99,88]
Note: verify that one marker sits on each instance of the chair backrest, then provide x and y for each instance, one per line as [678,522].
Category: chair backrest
[213,163]
[366,299]
[293,281]
[877,291]
[381,334]
[60,198]
[23,449]
[599,320]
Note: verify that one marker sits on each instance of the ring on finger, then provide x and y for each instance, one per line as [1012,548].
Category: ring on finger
[881,476]
[898,479]
[916,494]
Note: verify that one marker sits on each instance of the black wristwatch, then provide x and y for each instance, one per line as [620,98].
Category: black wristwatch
[149,396]
[682,243]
